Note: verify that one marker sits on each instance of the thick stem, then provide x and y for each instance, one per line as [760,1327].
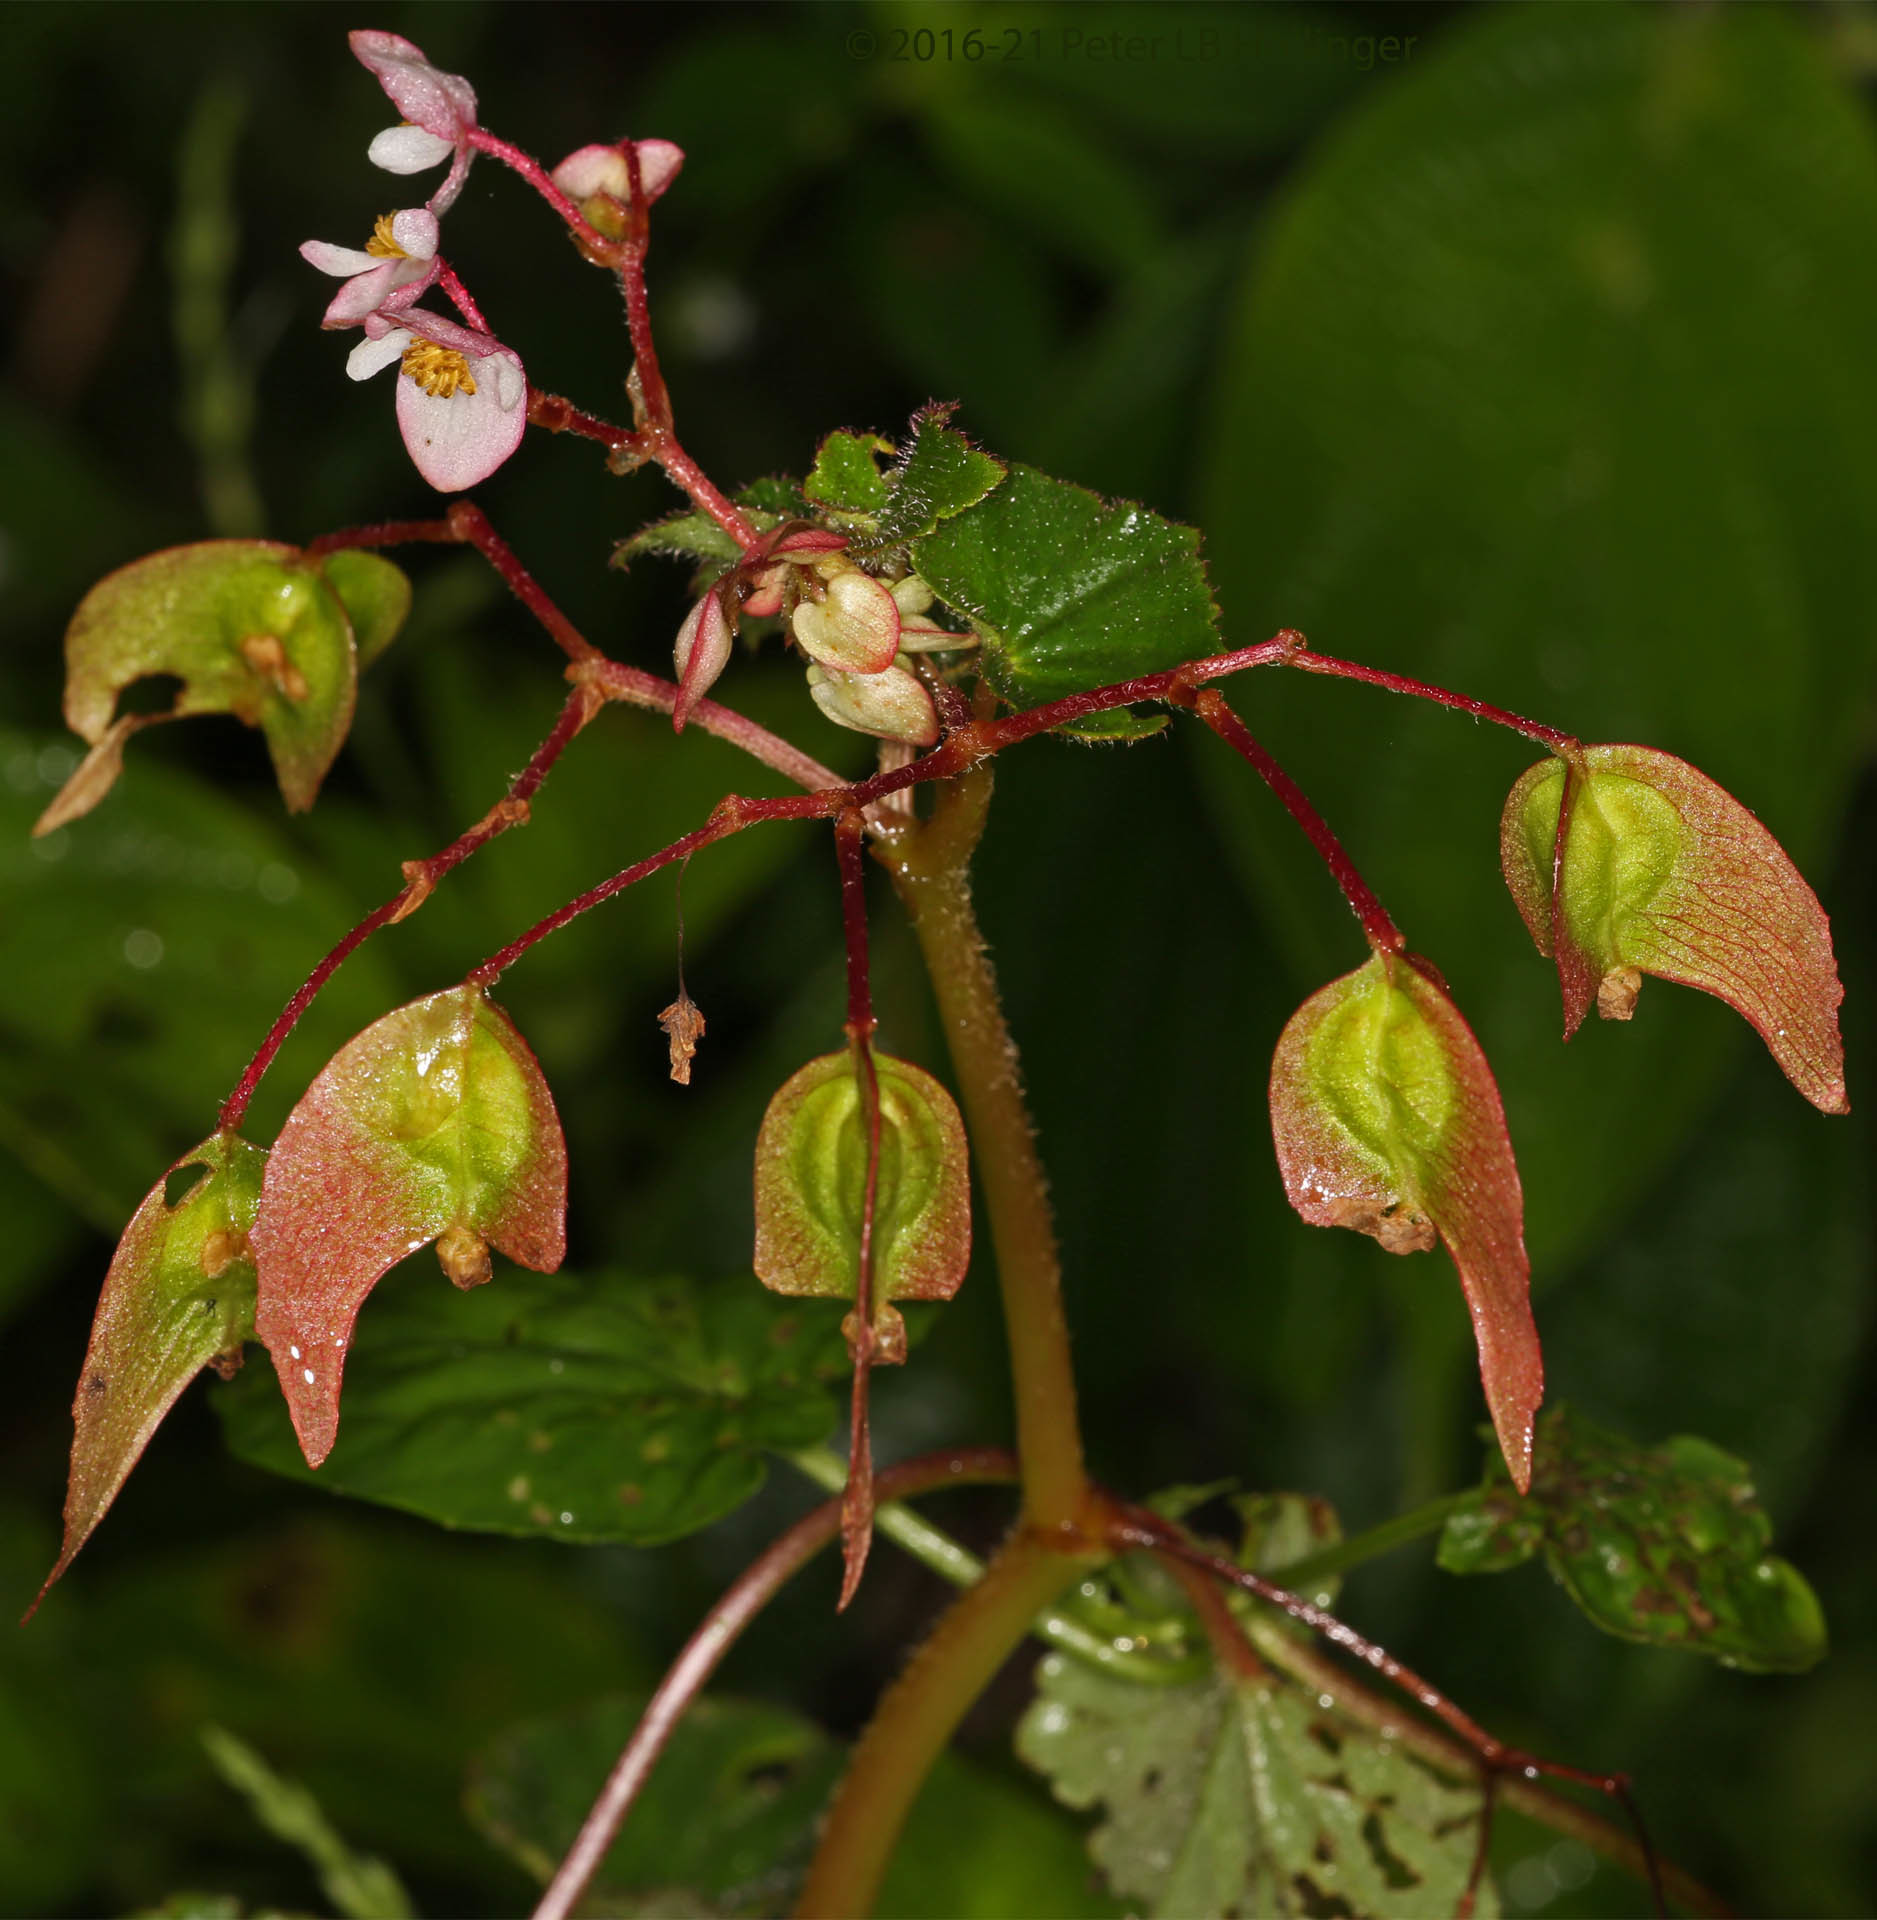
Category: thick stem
[919,1712]
[930,865]
[717,1633]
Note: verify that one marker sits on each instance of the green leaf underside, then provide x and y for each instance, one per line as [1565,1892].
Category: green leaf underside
[693,536]
[1386,1120]
[1665,1545]
[187,612]
[811,1171]
[846,474]
[727,1823]
[1664,872]
[1069,591]
[939,476]
[162,1318]
[1245,1797]
[585,1410]
[376,595]
[434,1120]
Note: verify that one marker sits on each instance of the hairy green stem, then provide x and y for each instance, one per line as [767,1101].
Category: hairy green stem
[936,1550]
[920,1711]
[930,864]
[1301,1575]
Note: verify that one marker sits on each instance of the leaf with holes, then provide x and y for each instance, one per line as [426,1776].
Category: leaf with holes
[250,627]
[811,1179]
[1234,1796]
[1661,1544]
[433,1124]
[575,1408]
[1069,591]
[179,1296]
[1386,1119]
[1626,861]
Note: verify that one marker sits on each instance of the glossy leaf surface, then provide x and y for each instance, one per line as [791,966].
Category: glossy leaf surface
[179,1296]
[248,626]
[1239,1796]
[1658,870]
[581,1409]
[1387,1120]
[1069,591]
[1666,1545]
[376,595]
[433,1124]
[811,1177]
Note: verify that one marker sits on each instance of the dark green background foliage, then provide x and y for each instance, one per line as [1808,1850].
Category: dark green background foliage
[1532,353]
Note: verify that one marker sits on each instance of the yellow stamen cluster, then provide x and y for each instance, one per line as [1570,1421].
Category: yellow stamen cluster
[381,245]
[441,371]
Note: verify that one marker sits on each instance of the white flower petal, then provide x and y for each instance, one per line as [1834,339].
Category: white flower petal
[341,262]
[373,356]
[415,230]
[593,170]
[408,150]
[659,161]
[511,384]
[458,442]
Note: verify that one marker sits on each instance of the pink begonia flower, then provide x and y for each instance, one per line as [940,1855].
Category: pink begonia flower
[462,395]
[395,266]
[439,112]
[591,170]
[700,655]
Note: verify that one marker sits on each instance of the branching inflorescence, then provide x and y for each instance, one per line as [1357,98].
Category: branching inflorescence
[916,594]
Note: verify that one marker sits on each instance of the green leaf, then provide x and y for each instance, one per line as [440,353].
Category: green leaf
[811,1180]
[248,626]
[1070,592]
[360,1887]
[581,1410]
[846,473]
[939,475]
[692,535]
[728,1820]
[179,1297]
[1666,1545]
[725,1825]
[1246,1796]
[376,595]
[435,1123]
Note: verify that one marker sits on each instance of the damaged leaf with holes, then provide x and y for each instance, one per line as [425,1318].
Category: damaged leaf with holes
[249,627]
[586,1408]
[1666,1545]
[811,1183]
[1245,1796]
[434,1124]
[1626,861]
[1387,1120]
[179,1297]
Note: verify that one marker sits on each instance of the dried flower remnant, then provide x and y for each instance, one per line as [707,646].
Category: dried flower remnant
[1626,861]
[684,1028]
[1386,1119]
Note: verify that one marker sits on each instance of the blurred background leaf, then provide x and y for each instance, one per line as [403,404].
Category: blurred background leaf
[1521,347]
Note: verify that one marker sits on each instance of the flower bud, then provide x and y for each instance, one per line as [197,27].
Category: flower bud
[1626,861]
[1386,1119]
[854,628]
[700,655]
[893,705]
